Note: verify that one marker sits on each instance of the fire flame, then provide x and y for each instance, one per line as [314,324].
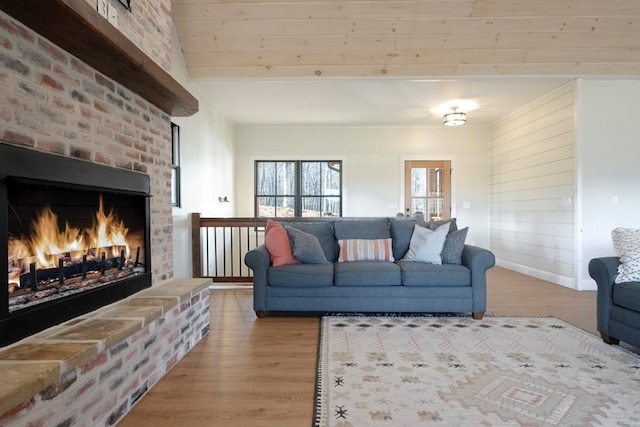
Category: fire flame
[108,232]
[48,243]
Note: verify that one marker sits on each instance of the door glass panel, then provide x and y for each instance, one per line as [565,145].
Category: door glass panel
[418,205]
[435,209]
[435,183]
[418,182]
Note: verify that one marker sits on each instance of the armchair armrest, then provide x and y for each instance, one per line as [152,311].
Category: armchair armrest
[604,270]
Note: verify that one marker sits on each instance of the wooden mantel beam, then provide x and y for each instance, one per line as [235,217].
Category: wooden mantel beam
[79,29]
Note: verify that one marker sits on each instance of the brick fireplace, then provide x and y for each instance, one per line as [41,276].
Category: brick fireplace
[74,237]
[91,96]
[76,87]
[53,102]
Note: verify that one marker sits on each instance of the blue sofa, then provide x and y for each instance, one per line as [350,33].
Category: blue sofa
[370,286]
[618,304]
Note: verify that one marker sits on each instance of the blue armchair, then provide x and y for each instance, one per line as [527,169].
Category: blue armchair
[618,304]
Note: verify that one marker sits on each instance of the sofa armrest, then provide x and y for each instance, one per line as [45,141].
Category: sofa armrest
[478,260]
[259,261]
[604,270]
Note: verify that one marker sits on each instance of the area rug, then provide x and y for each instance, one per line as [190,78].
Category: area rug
[454,371]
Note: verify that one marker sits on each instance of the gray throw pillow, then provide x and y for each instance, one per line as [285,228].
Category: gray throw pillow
[426,245]
[432,225]
[453,246]
[306,247]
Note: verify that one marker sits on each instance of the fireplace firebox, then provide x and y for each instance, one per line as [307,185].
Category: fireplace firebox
[74,236]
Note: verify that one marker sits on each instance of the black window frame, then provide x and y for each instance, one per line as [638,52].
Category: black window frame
[175,165]
[297,194]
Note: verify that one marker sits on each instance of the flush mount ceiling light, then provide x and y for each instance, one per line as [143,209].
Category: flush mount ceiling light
[455,118]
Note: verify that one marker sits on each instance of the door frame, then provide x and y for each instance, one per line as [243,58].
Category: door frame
[428,158]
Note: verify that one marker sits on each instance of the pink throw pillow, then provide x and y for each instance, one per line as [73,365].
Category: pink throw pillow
[277,241]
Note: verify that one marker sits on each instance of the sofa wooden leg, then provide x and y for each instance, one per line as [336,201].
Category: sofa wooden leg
[478,315]
[609,340]
[261,314]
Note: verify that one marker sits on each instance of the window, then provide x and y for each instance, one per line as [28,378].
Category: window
[298,188]
[175,165]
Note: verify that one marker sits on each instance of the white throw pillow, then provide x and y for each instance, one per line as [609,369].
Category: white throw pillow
[426,245]
[626,242]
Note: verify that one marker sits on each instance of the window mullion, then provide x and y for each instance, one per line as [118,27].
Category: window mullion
[298,189]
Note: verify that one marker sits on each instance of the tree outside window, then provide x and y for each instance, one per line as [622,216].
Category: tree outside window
[298,188]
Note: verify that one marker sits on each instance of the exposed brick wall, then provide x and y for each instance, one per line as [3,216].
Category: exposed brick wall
[148,25]
[102,390]
[51,101]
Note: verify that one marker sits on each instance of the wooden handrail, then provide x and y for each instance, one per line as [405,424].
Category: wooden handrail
[233,254]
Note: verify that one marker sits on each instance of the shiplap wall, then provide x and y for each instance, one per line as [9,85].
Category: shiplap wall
[532,188]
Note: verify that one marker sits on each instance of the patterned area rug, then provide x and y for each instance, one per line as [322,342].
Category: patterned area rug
[453,371]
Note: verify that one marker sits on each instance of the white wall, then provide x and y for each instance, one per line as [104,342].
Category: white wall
[373,165]
[533,188]
[207,173]
[608,153]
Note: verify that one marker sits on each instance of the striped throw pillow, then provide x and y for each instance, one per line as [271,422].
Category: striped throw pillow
[365,250]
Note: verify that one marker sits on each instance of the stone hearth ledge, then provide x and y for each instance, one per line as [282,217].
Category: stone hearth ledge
[41,360]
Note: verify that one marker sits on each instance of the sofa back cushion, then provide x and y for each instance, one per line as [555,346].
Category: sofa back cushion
[401,232]
[374,228]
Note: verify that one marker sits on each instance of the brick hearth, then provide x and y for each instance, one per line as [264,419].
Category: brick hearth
[91,370]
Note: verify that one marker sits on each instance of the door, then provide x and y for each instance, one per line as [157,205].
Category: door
[427,187]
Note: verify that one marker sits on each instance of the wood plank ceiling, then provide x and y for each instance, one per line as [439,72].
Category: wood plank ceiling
[403,38]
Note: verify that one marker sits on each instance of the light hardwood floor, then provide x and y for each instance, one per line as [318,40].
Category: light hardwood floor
[251,372]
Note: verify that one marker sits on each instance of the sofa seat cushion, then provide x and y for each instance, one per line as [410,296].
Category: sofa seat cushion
[627,295]
[301,275]
[366,273]
[422,274]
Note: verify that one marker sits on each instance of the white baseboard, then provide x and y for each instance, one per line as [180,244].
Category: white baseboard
[568,282]
[587,285]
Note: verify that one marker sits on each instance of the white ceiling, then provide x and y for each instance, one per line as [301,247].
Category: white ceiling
[369,101]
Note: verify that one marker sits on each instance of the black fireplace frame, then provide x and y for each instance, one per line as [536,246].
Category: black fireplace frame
[35,166]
